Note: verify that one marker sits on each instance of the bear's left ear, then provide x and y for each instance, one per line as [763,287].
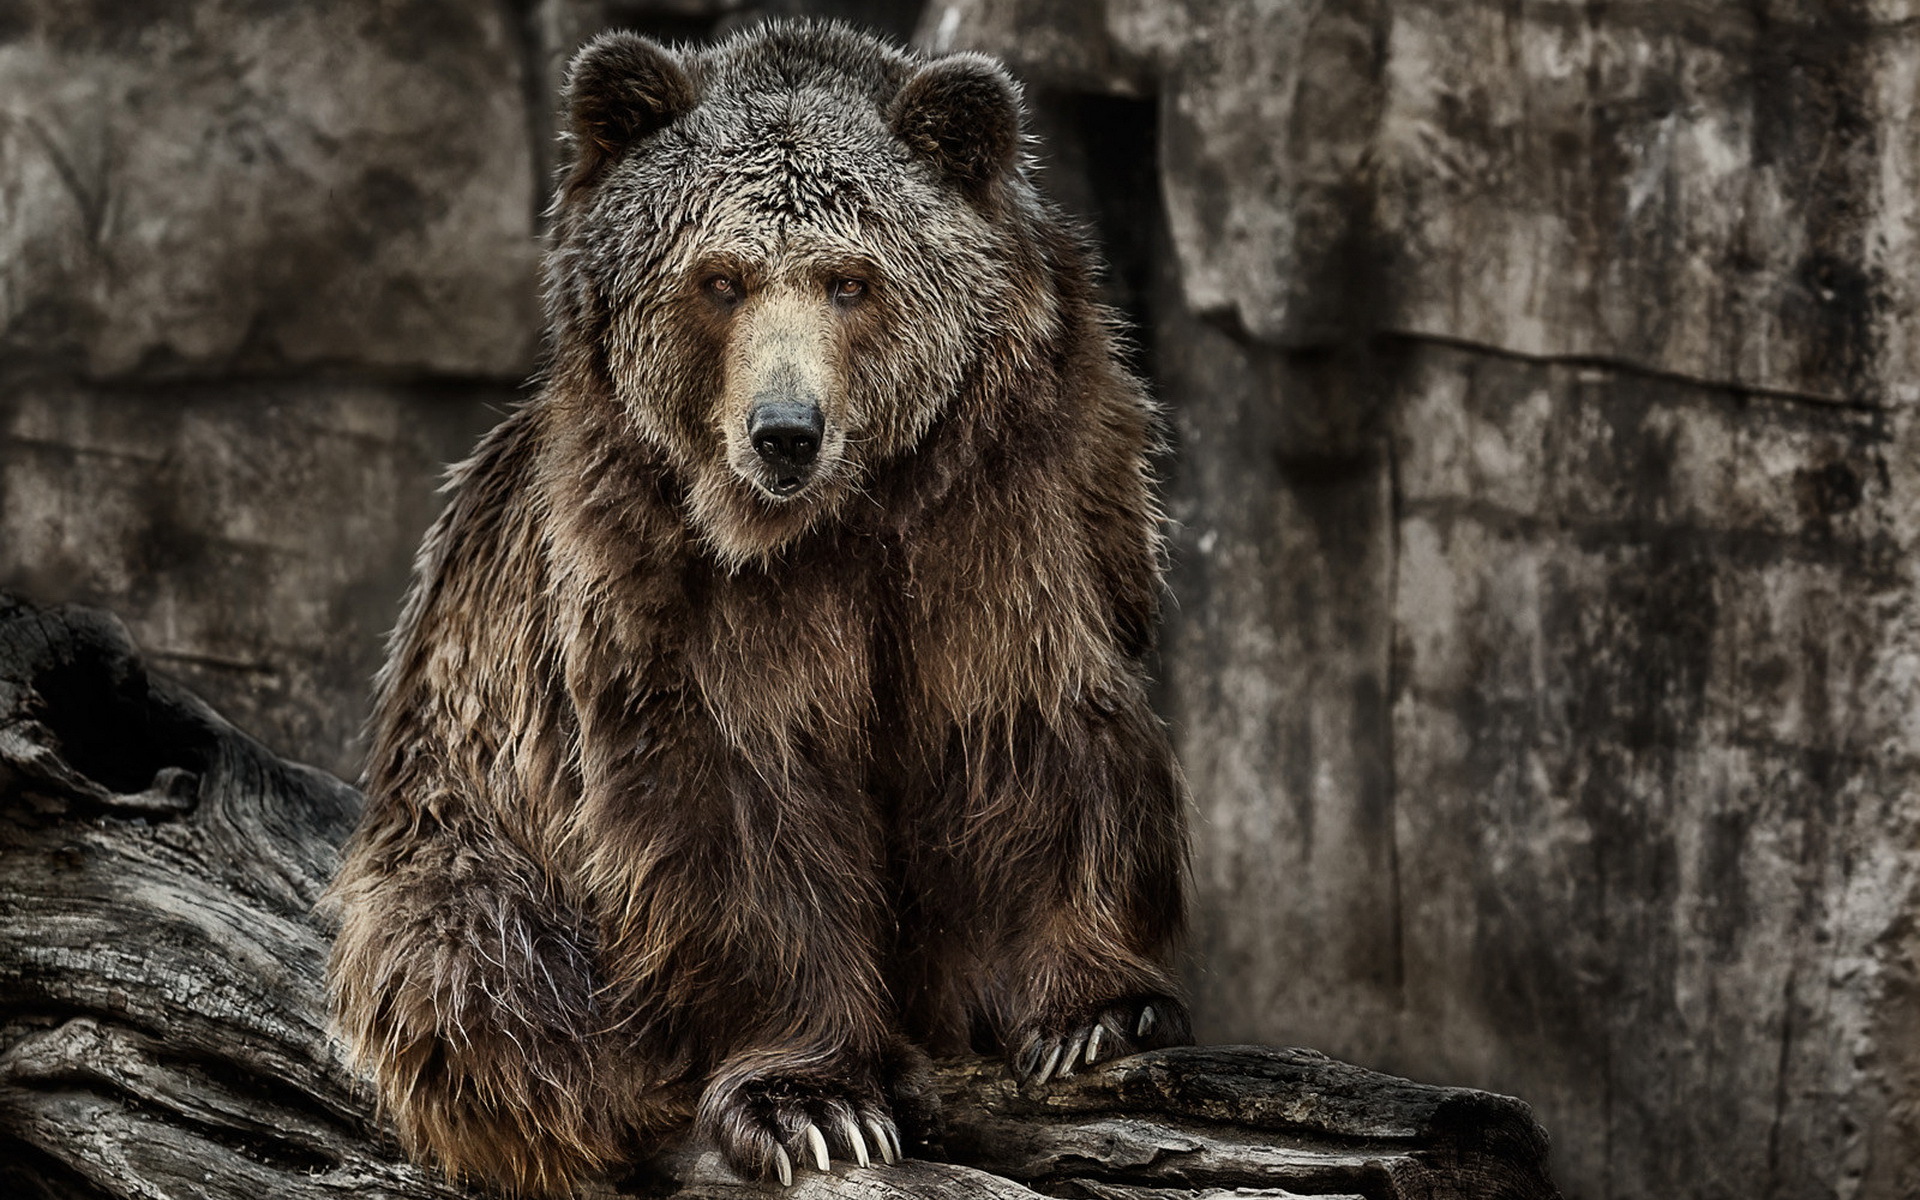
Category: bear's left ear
[961,113]
[620,88]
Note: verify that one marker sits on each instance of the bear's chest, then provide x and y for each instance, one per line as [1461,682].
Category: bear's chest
[829,649]
[782,657]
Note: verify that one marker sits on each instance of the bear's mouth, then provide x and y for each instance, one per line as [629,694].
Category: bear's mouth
[780,485]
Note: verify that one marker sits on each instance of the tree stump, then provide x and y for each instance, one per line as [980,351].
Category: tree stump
[163,1031]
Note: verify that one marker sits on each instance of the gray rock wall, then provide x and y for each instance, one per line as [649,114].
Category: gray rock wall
[263,270]
[1544,651]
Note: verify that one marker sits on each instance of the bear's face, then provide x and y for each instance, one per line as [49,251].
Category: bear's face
[783,253]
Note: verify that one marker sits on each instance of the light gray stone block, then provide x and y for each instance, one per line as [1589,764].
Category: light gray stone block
[211,185]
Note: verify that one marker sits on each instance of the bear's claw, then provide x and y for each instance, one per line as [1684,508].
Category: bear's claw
[887,1139]
[768,1127]
[850,1134]
[849,1143]
[1114,1032]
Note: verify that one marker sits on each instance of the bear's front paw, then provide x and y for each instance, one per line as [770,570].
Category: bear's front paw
[1124,1027]
[765,1124]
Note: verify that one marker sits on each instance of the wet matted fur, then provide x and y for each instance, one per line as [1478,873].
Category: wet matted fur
[695,797]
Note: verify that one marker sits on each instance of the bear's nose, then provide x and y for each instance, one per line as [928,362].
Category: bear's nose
[784,434]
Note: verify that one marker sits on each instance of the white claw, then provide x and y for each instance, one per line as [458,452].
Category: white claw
[881,1143]
[819,1147]
[1145,1025]
[783,1167]
[1046,1068]
[851,1131]
[893,1139]
[1074,1049]
[1093,1044]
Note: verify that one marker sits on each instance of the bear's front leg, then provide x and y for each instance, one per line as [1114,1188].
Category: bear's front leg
[743,912]
[1087,983]
[1048,860]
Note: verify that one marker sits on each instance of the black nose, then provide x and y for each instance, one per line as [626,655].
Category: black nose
[784,434]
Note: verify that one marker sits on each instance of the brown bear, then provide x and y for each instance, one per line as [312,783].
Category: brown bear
[769,702]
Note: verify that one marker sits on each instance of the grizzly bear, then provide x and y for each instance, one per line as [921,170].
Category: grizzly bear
[769,708]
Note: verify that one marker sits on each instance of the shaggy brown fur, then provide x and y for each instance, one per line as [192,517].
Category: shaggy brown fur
[693,796]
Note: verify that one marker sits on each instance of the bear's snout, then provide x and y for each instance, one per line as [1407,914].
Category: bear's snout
[786,436]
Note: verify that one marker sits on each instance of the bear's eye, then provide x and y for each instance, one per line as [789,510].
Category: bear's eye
[725,289]
[848,291]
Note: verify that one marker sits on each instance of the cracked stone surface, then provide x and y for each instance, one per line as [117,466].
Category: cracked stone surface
[256,534]
[208,186]
[1721,192]
[1545,655]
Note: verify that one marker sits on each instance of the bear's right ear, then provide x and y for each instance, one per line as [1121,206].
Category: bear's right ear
[620,88]
[962,113]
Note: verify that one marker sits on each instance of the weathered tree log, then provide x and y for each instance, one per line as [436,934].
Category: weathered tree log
[162,1030]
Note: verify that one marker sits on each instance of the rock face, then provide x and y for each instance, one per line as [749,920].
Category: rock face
[203,185]
[263,271]
[1544,660]
[257,532]
[1545,645]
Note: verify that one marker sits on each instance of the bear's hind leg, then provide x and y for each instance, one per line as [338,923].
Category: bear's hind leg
[465,987]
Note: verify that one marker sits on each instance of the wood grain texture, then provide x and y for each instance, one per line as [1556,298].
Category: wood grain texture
[162,1031]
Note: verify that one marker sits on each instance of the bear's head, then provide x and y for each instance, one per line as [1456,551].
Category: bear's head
[784,257]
